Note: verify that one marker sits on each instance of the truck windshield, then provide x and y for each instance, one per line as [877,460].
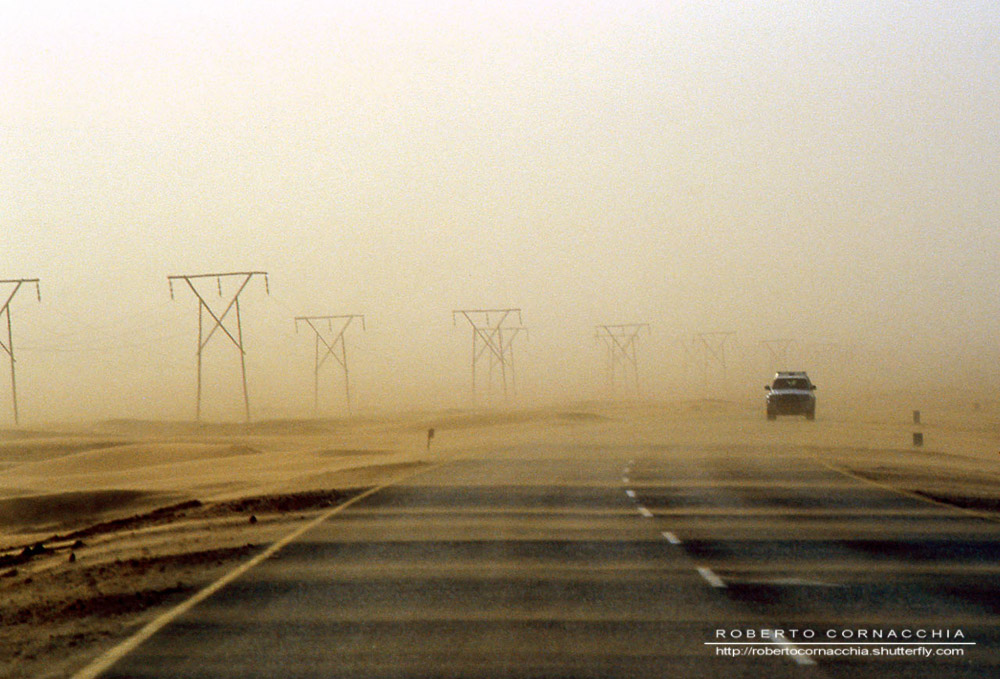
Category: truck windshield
[790,383]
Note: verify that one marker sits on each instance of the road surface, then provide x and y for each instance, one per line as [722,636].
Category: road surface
[570,561]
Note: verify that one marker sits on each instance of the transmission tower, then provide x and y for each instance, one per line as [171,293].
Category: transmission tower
[688,350]
[713,351]
[505,338]
[9,346]
[493,340]
[833,352]
[620,341]
[334,347]
[832,357]
[778,350]
[218,321]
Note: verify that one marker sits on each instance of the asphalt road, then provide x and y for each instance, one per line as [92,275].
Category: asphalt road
[590,562]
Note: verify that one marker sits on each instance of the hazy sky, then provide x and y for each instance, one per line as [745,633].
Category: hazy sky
[825,171]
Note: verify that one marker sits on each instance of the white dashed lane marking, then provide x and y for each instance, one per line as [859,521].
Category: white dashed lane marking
[710,577]
[799,659]
[671,538]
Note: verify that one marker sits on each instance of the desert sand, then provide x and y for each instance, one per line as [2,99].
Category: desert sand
[103,526]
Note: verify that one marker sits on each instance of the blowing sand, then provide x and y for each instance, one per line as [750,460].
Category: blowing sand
[103,527]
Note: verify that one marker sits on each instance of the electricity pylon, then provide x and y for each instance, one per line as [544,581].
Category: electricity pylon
[688,353]
[494,340]
[778,350]
[9,346]
[343,321]
[829,351]
[505,337]
[204,308]
[621,344]
[713,351]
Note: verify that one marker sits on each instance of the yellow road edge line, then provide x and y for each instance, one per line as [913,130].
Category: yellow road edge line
[909,493]
[113,655]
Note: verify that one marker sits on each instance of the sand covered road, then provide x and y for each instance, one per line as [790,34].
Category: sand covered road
[151,512]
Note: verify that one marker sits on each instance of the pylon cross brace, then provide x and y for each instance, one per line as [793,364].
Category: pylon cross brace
[715,344]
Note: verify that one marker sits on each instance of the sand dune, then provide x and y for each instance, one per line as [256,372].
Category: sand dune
[34,448]
[123,457]
[61,511]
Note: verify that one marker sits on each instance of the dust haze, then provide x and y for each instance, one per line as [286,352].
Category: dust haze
[803,185]
[823,173]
